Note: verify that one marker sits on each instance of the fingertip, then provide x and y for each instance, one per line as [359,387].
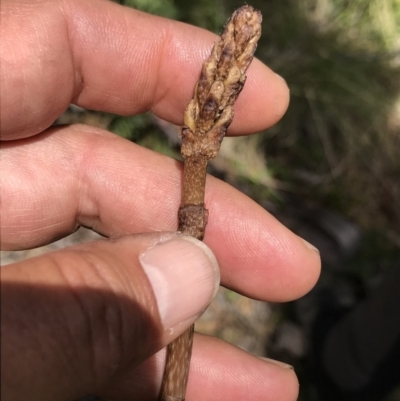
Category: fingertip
[284,375]
[299,268]
[263,102]
[283,98]
[282,267]
[313,266]
[223,371]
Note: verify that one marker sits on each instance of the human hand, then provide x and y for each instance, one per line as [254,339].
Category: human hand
[92,318]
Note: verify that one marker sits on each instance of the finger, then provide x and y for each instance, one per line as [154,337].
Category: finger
[103,56]
[218,371]
[78,175]
[79,316]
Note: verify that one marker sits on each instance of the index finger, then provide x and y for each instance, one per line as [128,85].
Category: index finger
[105,57]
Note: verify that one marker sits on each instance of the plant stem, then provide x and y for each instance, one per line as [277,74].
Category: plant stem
[206,119]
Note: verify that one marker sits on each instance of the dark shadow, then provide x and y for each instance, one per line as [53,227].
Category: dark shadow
[79,326]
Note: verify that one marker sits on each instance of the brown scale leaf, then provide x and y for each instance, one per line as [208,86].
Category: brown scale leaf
[221,80]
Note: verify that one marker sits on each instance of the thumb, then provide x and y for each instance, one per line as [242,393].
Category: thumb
[74,318]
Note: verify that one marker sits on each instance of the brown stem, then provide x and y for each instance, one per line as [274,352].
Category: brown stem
[177,365]
[206,119]
[194,180]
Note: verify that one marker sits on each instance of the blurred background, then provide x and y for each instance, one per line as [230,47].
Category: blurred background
[330,170]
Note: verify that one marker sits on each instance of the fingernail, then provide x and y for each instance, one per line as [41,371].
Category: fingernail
[184,275]
[278,363]
[310,246]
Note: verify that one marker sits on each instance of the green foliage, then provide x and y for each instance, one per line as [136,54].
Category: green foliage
[142,130]
[164,8]
[374,24]
[130,127]
[345,83]
[209,14]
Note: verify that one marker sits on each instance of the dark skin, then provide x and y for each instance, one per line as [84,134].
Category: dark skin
[102,56]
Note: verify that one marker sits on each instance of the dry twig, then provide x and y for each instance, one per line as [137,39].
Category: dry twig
[206,119]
